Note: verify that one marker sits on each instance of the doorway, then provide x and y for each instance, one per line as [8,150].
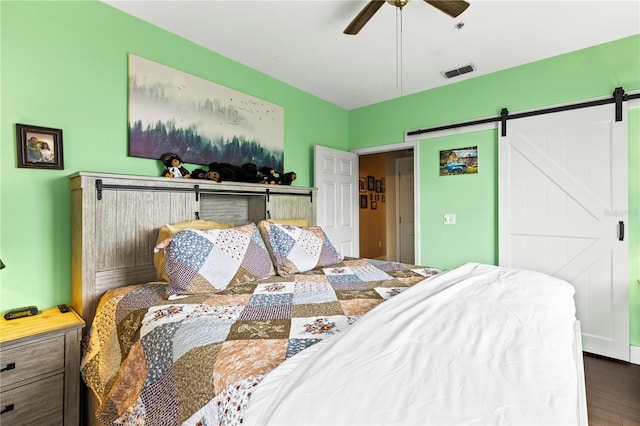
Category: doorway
[386,200]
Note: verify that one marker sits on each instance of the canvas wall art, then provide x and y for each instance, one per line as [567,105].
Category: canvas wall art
[201,121]
[459,161]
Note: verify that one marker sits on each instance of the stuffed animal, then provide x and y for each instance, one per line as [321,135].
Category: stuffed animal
[268,175]
[173,166]
[199,174]
[287,178]
[225,172]
[213,175]
[252,175]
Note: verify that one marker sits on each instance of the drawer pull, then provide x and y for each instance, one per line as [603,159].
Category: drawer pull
[7,408]
[9,366]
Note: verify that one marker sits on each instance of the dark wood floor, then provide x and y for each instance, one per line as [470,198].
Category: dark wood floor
[613,391]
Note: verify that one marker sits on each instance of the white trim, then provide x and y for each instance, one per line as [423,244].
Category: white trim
[634,354]
[417,257]
[416,183]
[399,146]
[582,390]
[634,351]
[632,103]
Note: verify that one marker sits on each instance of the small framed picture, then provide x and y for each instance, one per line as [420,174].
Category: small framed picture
[363,201]
[39,147]
[362,184]
[374,205]
[377,197]
[371,183]
[371,196]
[383,198]
[378,186]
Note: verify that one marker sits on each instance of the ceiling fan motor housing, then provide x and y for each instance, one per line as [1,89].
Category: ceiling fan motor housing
[398,3]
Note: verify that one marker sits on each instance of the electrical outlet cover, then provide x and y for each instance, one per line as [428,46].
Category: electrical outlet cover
[449,219]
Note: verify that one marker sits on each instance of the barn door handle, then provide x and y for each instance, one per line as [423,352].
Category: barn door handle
[620,231]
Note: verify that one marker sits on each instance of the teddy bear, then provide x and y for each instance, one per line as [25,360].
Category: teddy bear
[213,175]
[173,166]
[251,173]
[268,175]
[221,172]
[199,174]
[287,178]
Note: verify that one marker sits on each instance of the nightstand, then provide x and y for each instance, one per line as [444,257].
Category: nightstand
[40,363]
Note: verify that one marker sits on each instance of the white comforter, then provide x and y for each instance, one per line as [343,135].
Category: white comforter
[476,345]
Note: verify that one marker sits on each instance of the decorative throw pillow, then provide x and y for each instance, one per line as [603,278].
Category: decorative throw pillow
[202,261]
[302,223]
[294,249]
[169,230]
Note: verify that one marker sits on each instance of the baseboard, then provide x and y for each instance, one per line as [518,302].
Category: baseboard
[634,354]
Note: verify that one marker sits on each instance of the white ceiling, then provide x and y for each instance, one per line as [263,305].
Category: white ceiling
[300,42]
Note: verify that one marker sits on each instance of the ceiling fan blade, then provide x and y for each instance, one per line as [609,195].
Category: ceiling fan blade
[452,8]
[363,17]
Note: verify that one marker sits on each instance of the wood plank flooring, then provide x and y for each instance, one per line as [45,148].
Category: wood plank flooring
[613,391]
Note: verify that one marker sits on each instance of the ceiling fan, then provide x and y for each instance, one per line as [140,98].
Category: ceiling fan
[452,8]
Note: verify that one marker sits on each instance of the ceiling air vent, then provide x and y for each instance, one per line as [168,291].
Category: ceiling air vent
[458,71]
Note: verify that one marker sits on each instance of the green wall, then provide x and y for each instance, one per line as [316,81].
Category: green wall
[64,65]
[590,73]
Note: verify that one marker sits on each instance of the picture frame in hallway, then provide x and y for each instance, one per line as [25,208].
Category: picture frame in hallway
[39,147]
[371,183]
[374,205]
[362,184]
[363,201]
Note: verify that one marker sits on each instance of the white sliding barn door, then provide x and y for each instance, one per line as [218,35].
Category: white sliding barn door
[562,193]
[336,177]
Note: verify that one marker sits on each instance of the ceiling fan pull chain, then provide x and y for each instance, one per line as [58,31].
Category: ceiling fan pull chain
[397,52]
[399,57]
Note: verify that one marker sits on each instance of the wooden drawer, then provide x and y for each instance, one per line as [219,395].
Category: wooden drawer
[39,402]
[32,360]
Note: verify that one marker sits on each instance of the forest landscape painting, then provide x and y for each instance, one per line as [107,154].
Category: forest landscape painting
[201,121]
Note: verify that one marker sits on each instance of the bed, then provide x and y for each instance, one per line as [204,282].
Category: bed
[302,335]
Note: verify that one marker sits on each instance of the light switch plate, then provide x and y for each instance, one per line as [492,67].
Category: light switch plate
[449,218]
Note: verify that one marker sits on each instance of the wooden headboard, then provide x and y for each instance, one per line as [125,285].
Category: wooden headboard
[115,221]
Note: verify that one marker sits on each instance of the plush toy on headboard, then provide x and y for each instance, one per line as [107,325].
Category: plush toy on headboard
[251,173]
[287,178]
[198,174]
[221,172]
[268,175]
[173,166]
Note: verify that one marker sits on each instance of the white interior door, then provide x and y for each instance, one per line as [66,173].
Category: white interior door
[562,194]
[405,209]
[336,177]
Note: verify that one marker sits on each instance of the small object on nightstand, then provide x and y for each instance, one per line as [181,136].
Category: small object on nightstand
[63,308]
[26,311]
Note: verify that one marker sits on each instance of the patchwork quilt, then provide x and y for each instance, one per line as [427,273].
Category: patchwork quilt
[196,360]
